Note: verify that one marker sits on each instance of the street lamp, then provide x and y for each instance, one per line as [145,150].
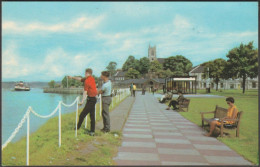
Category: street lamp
[67,82]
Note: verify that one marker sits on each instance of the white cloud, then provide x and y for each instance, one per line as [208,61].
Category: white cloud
[56,64]
[74,25]
[14,66]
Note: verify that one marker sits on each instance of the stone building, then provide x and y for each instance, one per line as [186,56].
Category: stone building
[153,56]
[223,84]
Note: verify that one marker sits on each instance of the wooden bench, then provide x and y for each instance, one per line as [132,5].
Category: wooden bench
[184,104]
[221,113]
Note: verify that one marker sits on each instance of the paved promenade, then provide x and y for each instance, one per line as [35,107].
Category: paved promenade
[155,136]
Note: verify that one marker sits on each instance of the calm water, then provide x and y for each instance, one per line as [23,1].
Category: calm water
[15,104]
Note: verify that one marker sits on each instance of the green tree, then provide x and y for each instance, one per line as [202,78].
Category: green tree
[71,82]
[155,66]
[242,63]
[132,73]
[164,73]
[51,84]
[216,70]
[111,68]
[144,65]
[178,64]
[131,62]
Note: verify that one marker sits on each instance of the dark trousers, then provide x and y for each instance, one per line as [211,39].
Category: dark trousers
[106,101]
[89,108]
[134,93]
[173,103]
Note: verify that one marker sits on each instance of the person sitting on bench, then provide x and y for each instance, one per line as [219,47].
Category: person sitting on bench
[176,102]
[165,97]
[231,114]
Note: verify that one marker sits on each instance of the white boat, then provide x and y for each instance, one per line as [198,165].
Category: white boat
[21,87]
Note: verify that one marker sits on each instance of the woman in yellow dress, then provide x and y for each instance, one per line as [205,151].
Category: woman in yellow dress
[231,114]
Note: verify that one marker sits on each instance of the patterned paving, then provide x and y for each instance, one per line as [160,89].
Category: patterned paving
[155,136]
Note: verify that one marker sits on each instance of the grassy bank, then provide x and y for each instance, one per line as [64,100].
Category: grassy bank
[247,144]
[83,150]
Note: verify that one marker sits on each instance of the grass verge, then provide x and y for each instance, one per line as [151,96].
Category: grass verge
[83,150]
[247,144]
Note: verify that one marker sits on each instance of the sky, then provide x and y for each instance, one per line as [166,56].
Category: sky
[43,41]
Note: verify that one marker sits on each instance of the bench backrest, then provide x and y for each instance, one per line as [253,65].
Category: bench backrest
[185,103]
[220,112]
[239,114]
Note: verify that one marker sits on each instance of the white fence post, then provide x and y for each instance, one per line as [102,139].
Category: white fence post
[77,118]
[59,123]
[28,139]
[100,105]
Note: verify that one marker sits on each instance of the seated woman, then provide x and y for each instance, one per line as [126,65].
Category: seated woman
[231,114]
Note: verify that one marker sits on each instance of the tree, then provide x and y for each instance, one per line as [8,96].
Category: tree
[112,68]
[71,82]
[155,66]
[132,73]
[178,64]
[144,65]
[242,63]
[51,84]
[216,70]
[131,62]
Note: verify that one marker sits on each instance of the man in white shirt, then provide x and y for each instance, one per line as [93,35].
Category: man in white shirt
[106,92]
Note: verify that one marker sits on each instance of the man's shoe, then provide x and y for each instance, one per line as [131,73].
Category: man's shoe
[167,108]
[92,134]
[105,130]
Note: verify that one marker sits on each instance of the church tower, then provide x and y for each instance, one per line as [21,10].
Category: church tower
[152,53]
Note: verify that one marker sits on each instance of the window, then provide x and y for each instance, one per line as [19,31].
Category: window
[221,85]
[231,86]
[253,84]
[204,85]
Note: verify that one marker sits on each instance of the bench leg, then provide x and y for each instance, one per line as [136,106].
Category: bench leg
[202,123]
[237,132]
[221,130]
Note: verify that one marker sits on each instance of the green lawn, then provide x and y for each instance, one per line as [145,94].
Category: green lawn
[247,144]
[83,150]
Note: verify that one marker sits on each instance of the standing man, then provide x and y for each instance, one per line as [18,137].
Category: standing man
[106,91]
[90,91]
[134,89]
[131,89]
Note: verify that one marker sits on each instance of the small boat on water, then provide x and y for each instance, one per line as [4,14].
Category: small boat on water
[21,86]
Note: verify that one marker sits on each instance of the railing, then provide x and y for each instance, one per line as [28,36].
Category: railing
[122,93]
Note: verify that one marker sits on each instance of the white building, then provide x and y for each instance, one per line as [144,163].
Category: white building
[223,84]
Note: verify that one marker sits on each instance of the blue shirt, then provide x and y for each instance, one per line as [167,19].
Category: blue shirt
[107,88]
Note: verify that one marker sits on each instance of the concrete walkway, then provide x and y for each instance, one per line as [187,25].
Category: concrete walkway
[155,136]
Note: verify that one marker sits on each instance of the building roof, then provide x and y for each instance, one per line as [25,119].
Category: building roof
[136,81]
[159,80]
[120,74]
[197,69]
[161,60]
[142,81]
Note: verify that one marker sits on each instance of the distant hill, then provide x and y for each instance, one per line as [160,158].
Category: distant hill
[9,85]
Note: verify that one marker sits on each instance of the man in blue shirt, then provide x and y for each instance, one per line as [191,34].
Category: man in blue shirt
[105,92]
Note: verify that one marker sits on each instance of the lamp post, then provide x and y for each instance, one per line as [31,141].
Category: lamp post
[208,82]
[67,82]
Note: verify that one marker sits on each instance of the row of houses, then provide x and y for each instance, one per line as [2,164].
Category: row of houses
[150,80]
[223,84]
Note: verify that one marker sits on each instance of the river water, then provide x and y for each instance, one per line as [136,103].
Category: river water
[15,104]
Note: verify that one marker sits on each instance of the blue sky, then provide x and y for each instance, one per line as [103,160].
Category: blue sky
[43,41]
